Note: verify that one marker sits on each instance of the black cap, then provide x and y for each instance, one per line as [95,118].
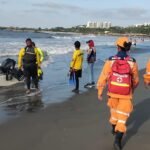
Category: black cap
[28,39]
[77,44]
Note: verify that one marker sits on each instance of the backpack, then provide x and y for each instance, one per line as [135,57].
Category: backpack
[92,57]
[18,74]
[120,79]
[8,65]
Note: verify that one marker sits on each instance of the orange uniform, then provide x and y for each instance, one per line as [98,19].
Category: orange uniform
[147,75]
[120,105]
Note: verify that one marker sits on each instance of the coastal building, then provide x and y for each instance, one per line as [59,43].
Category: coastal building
[144,24]
[101,25]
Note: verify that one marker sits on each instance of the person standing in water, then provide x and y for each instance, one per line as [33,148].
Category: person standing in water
[76,65]
[41,55]
[121,74]
[91,58]
[29,61]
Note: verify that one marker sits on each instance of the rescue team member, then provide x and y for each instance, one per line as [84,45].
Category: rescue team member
[41,55]
[29,60]
[91,58]
[147,75]
[121,74]
[76,64]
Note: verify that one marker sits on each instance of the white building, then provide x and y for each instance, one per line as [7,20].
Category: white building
[144,24]
[98,25]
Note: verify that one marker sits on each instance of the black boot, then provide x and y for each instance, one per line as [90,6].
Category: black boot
[113,130]
[118,140]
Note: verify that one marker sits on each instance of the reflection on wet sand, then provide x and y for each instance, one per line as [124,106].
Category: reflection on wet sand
[14,100]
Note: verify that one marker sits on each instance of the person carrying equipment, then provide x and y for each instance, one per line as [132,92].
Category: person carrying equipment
[41,55]
[29,61]
[76,64]
[91,58]
[121,74]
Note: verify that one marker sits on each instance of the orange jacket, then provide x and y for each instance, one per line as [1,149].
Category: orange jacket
[147,75]
[102,81]
[148,67]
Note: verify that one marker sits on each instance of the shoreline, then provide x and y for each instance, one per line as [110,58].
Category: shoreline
[79,33]
[78,123]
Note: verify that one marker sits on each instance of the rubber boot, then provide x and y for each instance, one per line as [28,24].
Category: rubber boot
[113,130]
[118,140]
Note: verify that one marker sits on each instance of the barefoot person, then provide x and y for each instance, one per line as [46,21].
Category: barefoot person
[121,74]
[29,61]
[76,65]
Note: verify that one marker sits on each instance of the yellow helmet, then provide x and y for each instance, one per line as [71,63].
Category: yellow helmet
[120,41]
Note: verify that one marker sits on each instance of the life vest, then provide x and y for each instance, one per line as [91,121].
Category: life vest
[120,79]
[29,56]
[92,56]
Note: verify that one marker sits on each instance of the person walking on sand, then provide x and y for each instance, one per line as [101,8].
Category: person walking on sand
[91,58]
[76,65]
[29,61]
[121,74]
[147,75]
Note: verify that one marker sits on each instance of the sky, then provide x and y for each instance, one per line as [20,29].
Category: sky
[68,13]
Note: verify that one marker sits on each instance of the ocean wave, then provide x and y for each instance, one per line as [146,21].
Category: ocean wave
[8,54]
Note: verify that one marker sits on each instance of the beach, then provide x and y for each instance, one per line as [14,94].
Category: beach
[79,123]
[57,118]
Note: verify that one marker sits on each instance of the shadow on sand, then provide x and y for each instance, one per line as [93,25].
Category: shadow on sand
[140,115]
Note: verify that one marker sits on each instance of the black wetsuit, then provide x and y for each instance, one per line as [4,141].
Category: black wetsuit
[30,67]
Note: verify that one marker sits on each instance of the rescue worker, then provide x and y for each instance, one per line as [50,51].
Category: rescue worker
[76,64]
[29,61]
[147,75]
[41,55]
[91,58]
[121,74]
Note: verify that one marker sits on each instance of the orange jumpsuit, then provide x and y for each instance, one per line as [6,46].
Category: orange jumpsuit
[147,75]
[120,105]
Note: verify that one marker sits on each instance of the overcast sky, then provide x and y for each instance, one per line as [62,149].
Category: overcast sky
[66,13]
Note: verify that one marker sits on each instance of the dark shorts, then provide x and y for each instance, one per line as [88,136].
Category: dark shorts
[78,73]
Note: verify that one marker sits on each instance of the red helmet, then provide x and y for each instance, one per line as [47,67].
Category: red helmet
[90,43]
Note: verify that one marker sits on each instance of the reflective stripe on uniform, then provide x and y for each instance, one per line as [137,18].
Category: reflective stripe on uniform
[121,121]
[120,84]
[122,113]
[113,110]
[115,119]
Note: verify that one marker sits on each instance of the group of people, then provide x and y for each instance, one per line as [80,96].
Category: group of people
[120,74]
[77,62]
[30,60]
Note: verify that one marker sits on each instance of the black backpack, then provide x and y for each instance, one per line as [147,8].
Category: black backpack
[8,65]
[18,74]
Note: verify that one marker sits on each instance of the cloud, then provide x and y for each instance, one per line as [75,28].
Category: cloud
[114,13]
[58,7]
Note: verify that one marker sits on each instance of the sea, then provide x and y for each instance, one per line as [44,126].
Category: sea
[59,48]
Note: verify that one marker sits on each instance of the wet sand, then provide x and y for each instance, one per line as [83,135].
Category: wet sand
[81,123]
